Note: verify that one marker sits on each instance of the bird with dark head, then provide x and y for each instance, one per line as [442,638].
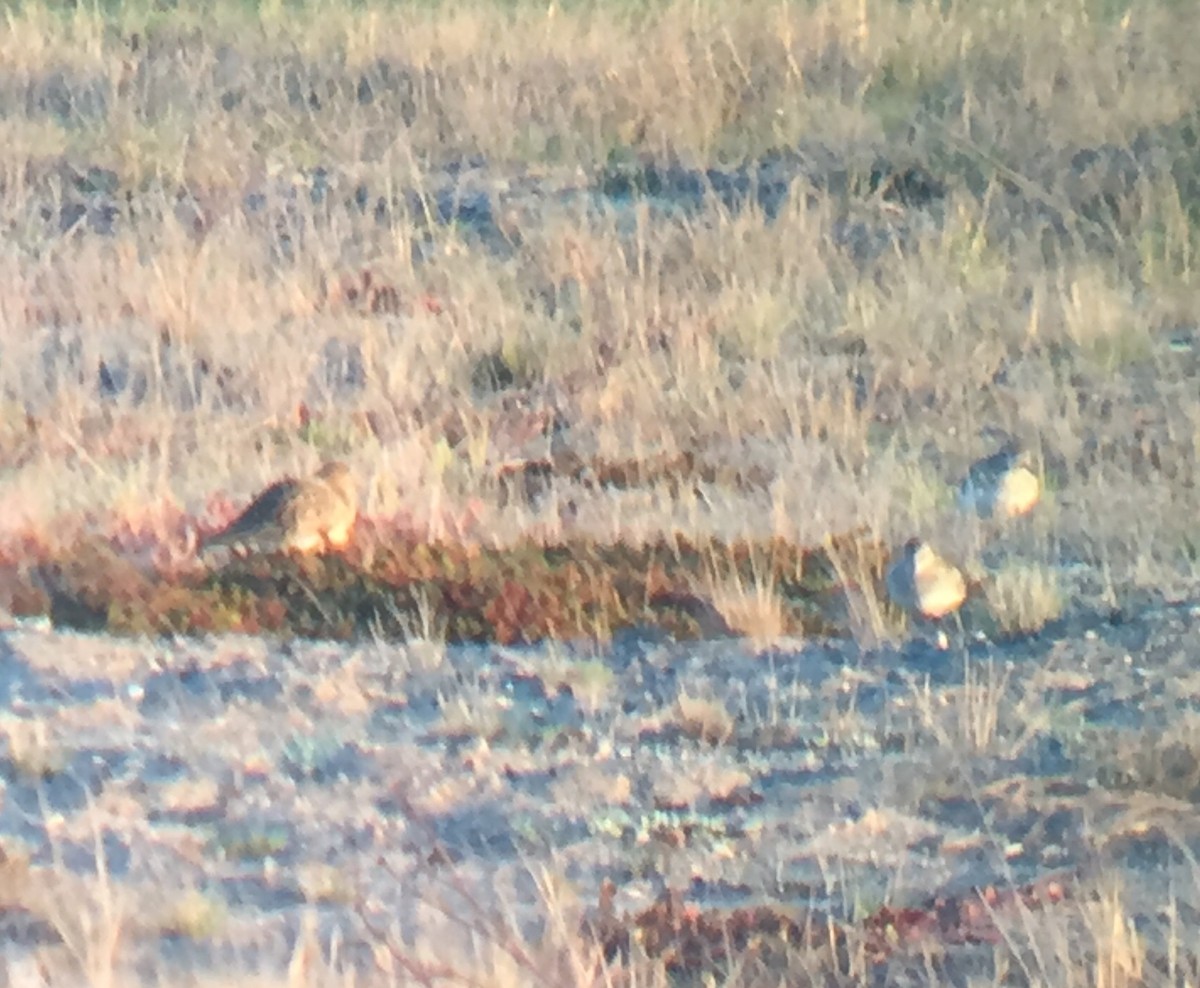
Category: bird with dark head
[1002,485]
[923,583]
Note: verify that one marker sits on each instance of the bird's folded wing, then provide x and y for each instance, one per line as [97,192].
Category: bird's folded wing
[267,511]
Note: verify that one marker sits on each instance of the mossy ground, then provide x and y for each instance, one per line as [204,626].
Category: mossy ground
[404,589]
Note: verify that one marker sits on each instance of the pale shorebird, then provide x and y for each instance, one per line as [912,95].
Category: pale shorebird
[922,582]
[294,516]
[1001,485]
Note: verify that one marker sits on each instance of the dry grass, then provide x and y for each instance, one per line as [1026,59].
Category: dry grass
[703,718]
[32,750]
[1024,597]
[214,331]
[751,609]
[589,680]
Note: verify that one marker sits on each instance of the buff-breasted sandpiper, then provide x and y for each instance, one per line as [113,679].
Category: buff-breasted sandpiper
[1002,485]
[922,582]
[304,516]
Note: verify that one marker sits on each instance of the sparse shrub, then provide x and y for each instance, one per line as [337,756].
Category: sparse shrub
[320,758]
[473,712]
[756,611]
[320,882]
[196,915]
[703,718]
[511,366]
[250,841]
[590,681]
[32,752]
[1024,597]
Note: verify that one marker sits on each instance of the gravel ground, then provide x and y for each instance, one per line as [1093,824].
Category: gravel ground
[223,793]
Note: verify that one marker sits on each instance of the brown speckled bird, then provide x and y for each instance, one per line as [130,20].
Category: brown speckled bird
[1002,485]
[922,582]
[294,516]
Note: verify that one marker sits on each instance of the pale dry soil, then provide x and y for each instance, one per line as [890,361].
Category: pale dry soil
[212,797]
